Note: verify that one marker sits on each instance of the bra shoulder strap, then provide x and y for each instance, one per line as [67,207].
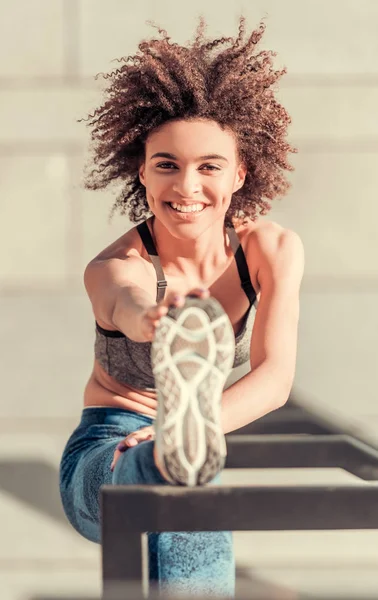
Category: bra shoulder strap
[241,264]
[150,247]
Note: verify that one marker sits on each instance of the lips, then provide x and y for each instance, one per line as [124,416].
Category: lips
[187,214]
[186,205]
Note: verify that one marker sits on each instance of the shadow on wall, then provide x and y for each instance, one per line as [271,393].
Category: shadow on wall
[36,484]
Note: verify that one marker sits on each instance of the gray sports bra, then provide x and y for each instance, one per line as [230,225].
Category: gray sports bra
[129,362]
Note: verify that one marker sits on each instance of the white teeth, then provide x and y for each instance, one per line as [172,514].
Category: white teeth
[190,208]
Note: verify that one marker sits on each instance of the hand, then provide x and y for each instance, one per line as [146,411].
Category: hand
[133,439]
[151,316]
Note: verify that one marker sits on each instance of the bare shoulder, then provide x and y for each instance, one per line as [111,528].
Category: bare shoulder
[123,260]
[272,250]
[128,245]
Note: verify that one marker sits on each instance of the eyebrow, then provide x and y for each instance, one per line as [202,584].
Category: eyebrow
[173,157]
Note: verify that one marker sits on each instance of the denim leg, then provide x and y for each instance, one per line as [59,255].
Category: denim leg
[182,562]
[197,563]
[81,476]
[137,466]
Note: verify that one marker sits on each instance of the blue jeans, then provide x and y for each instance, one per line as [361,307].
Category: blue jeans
[189,562]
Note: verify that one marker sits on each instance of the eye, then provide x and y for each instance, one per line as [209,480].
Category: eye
[167,166]
[163,165]
[212,167]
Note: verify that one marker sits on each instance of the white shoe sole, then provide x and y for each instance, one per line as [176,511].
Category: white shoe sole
[192,356]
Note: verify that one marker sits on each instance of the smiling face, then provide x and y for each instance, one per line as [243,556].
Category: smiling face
[190,172]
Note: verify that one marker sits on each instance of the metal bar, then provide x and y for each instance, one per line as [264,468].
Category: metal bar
[290,451]
[121,546]
[130,511]
[334,424]
[295,418]
[122,558]
[284,451]
[136,509]
[361,459]
[271,427]
[288,419]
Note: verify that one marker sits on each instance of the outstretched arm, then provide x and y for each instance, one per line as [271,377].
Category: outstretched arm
[275,333]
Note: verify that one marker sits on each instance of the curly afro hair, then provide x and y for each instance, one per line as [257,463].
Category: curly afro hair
[166,81]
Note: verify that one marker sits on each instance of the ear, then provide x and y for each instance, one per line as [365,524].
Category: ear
[141,171]
[240,176]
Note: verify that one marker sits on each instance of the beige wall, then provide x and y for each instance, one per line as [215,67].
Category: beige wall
[51,50]
[50,227]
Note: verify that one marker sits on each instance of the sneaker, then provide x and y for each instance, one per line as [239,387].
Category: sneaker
[192,356]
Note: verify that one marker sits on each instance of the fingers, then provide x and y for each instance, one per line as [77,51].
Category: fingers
[151,320]
[178,300]
[144,434]
[200,292]
[154,313]
[174,299]
[116,456]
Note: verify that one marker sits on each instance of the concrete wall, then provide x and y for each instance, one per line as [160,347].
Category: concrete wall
[50,228]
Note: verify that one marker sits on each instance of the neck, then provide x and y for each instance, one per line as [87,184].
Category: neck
[198,258]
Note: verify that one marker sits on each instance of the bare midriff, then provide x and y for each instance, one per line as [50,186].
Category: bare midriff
[103,390]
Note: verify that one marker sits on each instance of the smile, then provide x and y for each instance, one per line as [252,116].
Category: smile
[189,208]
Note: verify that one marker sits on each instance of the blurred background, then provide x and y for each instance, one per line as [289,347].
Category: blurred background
[50,51]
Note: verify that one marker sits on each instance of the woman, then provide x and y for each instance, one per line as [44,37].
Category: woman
[198,140]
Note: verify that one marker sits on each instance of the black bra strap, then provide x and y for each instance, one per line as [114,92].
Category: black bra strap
[241,264]
[148,242]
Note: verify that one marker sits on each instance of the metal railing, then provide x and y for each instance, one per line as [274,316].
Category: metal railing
[290,437]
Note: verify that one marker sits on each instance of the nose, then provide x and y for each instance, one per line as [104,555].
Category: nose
[186,183]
